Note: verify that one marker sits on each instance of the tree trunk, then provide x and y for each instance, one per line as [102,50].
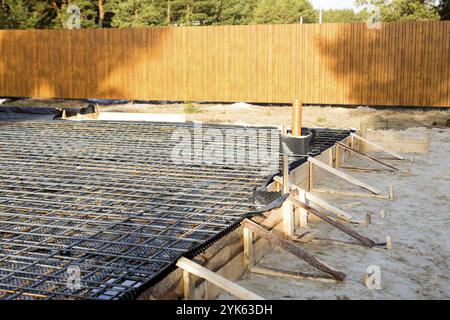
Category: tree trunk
[101,14]
[58,14]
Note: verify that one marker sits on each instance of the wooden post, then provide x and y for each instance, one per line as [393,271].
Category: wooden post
[368,218]
[331,157]
[249,257]
[297,118]
[303,213]
[188,285]
[352,145]
[389,243]
[391,192]
[363,134]
[338,157]
[288,216]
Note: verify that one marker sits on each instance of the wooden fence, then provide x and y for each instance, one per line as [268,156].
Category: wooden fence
[403,64]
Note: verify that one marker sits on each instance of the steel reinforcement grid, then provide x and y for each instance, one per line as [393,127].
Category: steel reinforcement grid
[105,199]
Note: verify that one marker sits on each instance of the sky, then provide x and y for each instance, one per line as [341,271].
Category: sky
[334,4]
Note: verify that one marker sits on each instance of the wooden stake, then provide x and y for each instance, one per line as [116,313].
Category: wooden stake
[249,257]
[389,243]
[297,118]
[391,192]
[214,278]
[368,218]
[292,248]
[189,285]
[303,213]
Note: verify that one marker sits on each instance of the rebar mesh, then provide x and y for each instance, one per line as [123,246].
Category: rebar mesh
[106,197]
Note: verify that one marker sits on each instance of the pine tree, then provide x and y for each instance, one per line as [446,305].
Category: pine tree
[134,13]
[21,14]
[235,11]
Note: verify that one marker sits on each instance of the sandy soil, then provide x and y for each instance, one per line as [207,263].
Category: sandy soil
[418,222]
[313,116]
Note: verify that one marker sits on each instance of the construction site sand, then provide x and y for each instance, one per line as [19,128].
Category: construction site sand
[418,221]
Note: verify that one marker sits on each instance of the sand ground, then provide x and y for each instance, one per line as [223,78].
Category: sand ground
[313,116]
[418,221]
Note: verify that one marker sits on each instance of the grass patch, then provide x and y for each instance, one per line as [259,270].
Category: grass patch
[189,108]
[321,120]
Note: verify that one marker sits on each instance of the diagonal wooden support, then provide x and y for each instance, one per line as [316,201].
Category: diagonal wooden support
[322,203]
[386,150]
[270,272]
[292,248]
[391,168]
[223,283]
[349,231]
[344,176]
[354,194]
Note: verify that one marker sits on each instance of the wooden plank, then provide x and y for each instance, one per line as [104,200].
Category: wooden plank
[292,248]
[349,231]
[216,279]
[344,176]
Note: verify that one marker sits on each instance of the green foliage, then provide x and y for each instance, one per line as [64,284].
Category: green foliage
[235,11]
[134,13]
[189,108]
[403,10]
[22,14]
[26,14]
[343,16]
[284,11]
